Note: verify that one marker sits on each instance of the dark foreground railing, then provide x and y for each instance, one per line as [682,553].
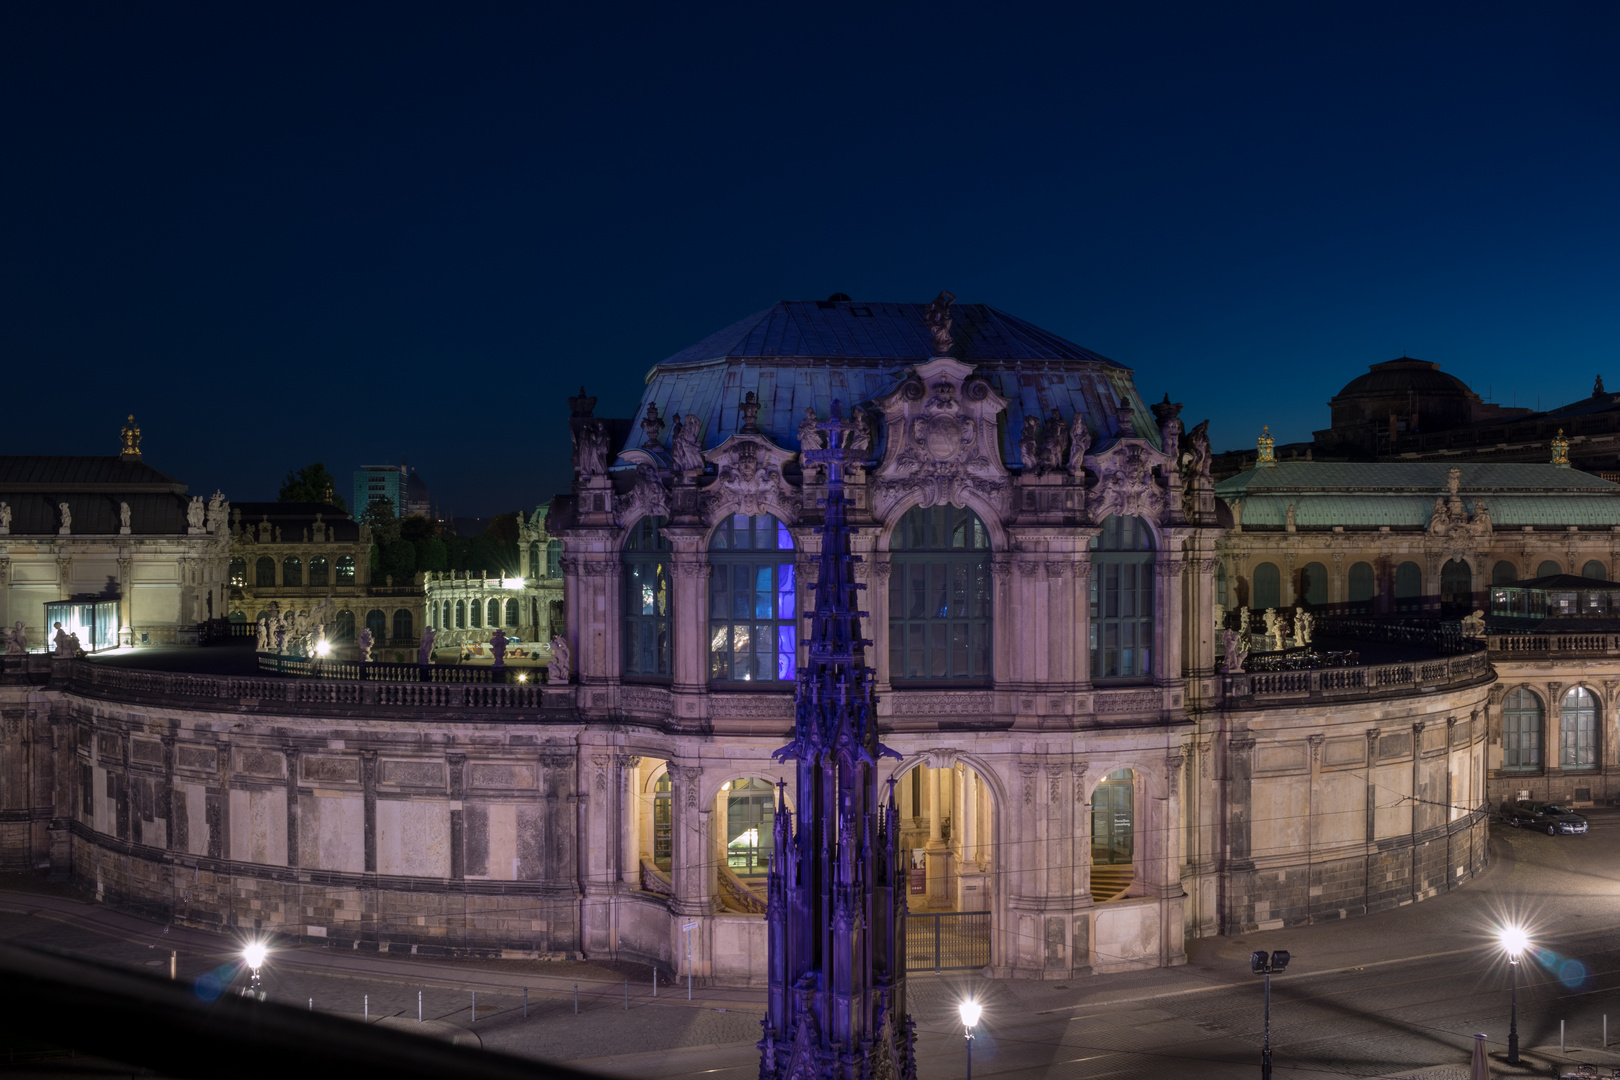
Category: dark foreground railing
[379,671]
[948,941]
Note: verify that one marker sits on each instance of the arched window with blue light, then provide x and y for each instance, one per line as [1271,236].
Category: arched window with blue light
[647,601]
[1122,558]
[941,609]
[753,601]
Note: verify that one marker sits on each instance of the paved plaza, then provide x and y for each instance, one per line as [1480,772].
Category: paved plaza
[1396,994]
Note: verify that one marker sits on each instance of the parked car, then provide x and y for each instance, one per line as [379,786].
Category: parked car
[1553,818]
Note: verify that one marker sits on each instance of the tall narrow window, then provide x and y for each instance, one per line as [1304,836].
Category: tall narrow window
[377,623]
[1313,584]
[553,558]
[1521,730]
[264,572]
[345,570]
[753,601]
[940,599]
[1408,587]
[1122,600]
[1267,587]
[475,612]
[534,560]
[1359,583]
[494,612]
[404,626]
[647,601]
[238,576]
[461,614]
[345,627]
[750,838]
[317,570]
[1578,730]
[511,612]
[292,572]
[663,822]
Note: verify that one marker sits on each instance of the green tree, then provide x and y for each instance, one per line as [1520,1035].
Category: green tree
[399,559]
[385,524]
[432,554]
[312,484]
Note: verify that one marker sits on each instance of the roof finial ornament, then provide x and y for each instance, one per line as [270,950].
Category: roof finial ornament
[1268,446]
[938,319]
[132,439]
[1597,387]
[1560,450]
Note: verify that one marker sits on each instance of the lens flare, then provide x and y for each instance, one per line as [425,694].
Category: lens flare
[254,953]
[1514,940]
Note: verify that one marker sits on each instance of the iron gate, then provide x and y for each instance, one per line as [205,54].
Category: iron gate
[948,941]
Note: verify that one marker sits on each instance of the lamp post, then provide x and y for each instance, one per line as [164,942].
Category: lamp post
[970,1011]
[1263,964]
[253,955]
[1514,942]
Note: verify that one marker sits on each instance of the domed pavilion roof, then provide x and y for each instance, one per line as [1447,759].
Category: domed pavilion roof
[796,354]
[1403,376]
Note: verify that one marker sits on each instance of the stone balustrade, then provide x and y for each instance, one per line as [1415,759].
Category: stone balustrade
[1264,689]
[1522,646]
[385,700]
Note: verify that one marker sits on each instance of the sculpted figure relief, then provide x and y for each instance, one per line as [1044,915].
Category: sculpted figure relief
[364,642]
[590,447]
[1054,452]
[561,669]
[647,497]
[937,317]
[66,513]
[1473,626]
[652,426]
[123,515]
[811,437]
[941,442]
[195,512]
[1126,484]
[1029,444]
[747,481]
[16,640]
[63,642]
[1079,446]
[1237,651]
[5,517]
[1304,627]
[748,414]
[684,447]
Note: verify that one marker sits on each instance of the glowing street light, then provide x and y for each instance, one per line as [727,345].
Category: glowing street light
[323,647]
[970,1011]
[253,954]
[1514,942]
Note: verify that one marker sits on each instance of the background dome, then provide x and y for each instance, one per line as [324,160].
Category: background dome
[1417,391]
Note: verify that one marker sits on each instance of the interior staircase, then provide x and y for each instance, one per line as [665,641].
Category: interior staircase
[1110,882]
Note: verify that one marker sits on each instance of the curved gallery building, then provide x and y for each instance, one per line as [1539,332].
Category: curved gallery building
[1081,789]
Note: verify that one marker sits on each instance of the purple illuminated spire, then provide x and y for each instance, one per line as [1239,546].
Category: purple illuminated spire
[836,912]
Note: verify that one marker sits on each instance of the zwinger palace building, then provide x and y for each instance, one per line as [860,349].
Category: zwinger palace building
[1087,776]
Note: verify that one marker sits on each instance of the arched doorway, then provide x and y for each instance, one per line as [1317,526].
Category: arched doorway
[1113,836]
[1456,587]
[947,831]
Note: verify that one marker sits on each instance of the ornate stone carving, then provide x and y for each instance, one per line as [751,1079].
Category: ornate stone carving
[1127,701]
[941,438]
[752,706]
[942,703]
[645,699]
[648,497]
[937,317]
[1126,484]
[749,481]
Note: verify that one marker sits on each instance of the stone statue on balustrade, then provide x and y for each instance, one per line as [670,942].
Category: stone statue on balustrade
[1244,615]
[1079,446]
[684,446]
[195,512]
[1473,626]
[66,511]
[1054,451]
[5,517]
[64,643]
[497,647]
[424,655]
[652,426]
[590,447]
[748,414]
[1304,627]
[123,516]
[261,636]
[17,640]
[1029,444]
[560,670]
[810,436]
[364,642]
[1275,631]
[1236,648]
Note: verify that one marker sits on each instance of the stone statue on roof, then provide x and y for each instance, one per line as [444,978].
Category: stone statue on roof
[123,516]
[195,513]
[590,447]
[748,414]
[684,446]
[1029,442]
[937,317]
[810,436]
[652,426]
[1236,648]
[67,516]
[1054,450]
[1079,446]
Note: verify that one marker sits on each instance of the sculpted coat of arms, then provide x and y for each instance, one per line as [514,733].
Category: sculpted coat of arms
[941,438]
[749,480]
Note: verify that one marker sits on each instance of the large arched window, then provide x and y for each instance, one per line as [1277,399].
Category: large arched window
[493,610]
[404,628]
[444,615]
[238,575]
[377,623]
[753,601]
[1595,570]
[1313,583]
[1359,583]
[1548,569]
[1521,731]
[1122,600]
[1267,587]
[475,613]
[534,560]
[345,627]
[264,572]
[345,570]
[512,612]
[647,601]
[940,608]
[1504,573]
[1577,724]
[553,558]
[317,570]
[1456,585]
[461,614]
[750,836]
[1408,586]
[292,571]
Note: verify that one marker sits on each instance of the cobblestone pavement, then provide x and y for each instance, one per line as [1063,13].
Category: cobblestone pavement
[1394,995]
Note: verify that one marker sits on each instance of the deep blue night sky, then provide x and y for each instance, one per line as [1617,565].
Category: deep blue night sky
[279,234]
